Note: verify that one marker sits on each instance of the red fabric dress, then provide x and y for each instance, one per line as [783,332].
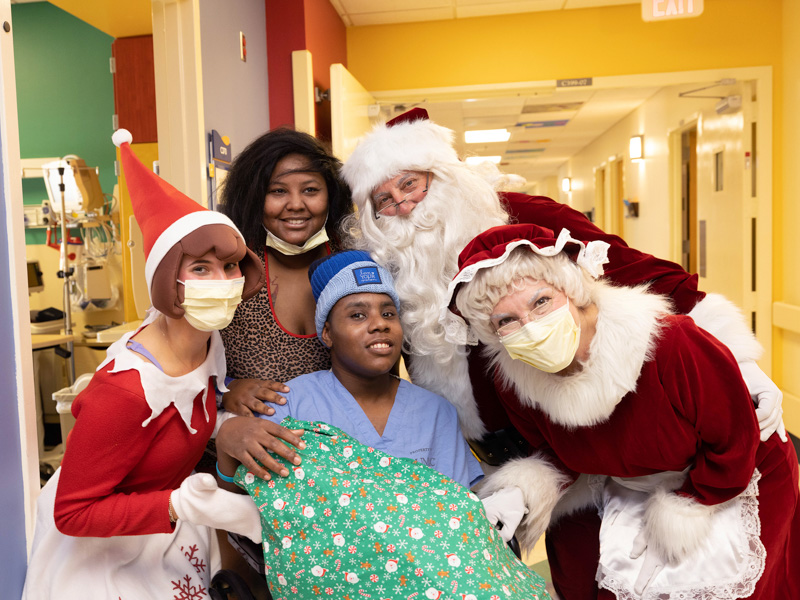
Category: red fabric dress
[688,408]
[133,469]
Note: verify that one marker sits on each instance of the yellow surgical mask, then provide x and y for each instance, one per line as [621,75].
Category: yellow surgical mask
[288,249]
[548,344]
[211,304]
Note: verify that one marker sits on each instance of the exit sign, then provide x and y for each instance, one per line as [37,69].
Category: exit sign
[661,10]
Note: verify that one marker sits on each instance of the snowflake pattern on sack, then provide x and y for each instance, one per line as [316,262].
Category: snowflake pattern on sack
[354,522]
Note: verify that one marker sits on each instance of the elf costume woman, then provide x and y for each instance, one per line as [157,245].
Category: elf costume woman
[124,517]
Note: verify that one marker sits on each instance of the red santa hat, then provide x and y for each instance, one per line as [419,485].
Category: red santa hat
[409,142]
[494,246]
[165,216]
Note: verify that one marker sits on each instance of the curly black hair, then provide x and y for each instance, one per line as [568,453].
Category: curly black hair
[246,185]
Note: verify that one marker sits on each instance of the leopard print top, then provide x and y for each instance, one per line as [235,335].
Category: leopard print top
[258,347]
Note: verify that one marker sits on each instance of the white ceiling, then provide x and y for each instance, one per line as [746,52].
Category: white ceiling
[548,125]
[378,12]
[546,129]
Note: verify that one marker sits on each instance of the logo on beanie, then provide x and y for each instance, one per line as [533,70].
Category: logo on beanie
[367,276]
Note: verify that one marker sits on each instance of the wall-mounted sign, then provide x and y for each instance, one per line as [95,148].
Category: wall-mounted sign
[220,156]
[661,10]
[220,147]
[575,82]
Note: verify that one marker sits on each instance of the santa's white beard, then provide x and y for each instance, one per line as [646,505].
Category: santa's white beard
[421,251]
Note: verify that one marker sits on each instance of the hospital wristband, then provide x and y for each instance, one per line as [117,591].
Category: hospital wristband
[224,477]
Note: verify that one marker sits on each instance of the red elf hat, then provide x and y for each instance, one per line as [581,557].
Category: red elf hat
[494,246]
[165,215]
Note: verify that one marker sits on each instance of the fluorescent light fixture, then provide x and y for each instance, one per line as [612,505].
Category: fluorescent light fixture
[476,160]
[636,147]
[486,136]
[566,184]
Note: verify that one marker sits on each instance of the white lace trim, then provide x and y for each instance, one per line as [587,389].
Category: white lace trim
[161,390]
[742,585]
[591,257]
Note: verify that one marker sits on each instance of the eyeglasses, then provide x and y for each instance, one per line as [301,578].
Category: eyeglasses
[408,185]
[536,313]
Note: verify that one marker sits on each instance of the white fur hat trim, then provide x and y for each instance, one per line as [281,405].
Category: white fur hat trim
[591,257]
[383,153]
[176,232]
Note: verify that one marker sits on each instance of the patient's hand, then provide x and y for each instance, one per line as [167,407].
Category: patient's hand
[246,397]
[251,440]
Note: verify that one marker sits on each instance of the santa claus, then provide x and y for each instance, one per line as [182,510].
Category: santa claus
[419,205]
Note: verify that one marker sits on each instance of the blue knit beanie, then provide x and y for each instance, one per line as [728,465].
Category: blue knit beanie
[345,273]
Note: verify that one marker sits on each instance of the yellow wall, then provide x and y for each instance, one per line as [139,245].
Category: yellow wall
[787,219]
[560,44]
[117,19]
[147,153]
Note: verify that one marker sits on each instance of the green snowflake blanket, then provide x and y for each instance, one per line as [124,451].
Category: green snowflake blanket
[353,522]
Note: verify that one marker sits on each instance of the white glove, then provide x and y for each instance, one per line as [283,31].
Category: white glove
[767,398]
[505,509]
[653,564]
[201,502]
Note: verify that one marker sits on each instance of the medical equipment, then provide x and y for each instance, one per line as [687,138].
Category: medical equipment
[76,199]
[82,192]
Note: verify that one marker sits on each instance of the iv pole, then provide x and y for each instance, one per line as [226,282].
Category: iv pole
[65,273]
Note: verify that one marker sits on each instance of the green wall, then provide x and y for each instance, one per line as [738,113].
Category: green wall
[65,94]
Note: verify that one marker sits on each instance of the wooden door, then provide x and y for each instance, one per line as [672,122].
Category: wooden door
[135,87]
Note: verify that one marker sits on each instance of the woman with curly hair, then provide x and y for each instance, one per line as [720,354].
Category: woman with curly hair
[285,195]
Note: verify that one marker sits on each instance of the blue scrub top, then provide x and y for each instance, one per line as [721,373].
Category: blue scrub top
[421,425]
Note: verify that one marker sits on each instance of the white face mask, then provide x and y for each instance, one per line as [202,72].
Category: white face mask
[210,303]
[548,344]
[288,249]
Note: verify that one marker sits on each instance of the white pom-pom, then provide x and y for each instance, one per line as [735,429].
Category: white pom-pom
[121,136]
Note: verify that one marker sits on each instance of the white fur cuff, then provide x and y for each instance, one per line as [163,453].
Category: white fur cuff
[542,485]
[676,526]
[722,318]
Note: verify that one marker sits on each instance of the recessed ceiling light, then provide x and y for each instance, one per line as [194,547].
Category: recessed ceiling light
[485,136]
